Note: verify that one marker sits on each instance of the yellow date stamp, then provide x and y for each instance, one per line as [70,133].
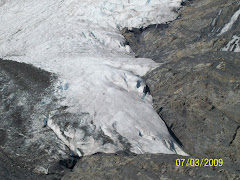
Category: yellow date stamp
[199,162]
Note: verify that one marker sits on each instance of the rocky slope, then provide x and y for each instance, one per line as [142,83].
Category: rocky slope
[198,97]
[196,31]
[142,167]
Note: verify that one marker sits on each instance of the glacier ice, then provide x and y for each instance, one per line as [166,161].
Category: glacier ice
[80,41]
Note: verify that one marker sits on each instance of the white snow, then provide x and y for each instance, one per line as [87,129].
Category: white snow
[233,45]
[80,41]
[229,25]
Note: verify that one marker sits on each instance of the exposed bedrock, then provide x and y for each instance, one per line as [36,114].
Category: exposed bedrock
[198,98]
[142,167]
[196,31]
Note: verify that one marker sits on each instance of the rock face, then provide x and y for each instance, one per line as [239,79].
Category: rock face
[196,31]
[198,97]
[142,167]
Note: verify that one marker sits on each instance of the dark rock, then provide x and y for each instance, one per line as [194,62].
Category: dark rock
[69,163]
[200,102]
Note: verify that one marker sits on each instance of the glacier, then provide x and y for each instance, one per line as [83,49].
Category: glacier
[99,78]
